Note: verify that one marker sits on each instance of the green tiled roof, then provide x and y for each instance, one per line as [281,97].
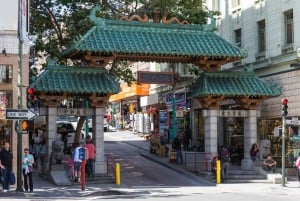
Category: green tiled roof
[79,80]
[153,39]
[232,84]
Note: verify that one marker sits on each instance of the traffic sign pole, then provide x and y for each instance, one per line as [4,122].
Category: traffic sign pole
[283,152]
[20,95]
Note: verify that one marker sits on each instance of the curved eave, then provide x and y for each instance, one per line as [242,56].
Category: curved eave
[75,80]
[232,85]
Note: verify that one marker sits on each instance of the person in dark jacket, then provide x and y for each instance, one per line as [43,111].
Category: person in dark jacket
[6,166]
[225,162]
[253,151]
[177,144]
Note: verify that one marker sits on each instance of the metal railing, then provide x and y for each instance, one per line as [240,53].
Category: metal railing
[111,164]
[199,162]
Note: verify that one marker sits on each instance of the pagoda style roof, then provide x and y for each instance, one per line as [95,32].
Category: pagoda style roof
[75,80]
[141,40]
[211,88]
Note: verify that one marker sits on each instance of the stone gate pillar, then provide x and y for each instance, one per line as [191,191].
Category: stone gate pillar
[98,139]
[211,131]
[250,137]
[51,129]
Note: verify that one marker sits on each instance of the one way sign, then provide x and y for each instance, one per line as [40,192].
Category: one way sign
[20,114]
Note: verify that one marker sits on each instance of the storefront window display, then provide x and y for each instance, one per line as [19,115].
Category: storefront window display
[198,139]
[270,140]
[5,125]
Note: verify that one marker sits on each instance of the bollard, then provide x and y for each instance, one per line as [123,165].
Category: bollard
[83,175]
[118,179]
[218,172]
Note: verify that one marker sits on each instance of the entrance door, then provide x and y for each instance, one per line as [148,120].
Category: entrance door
[234,138]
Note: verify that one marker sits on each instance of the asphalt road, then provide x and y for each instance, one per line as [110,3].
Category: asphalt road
[138,171]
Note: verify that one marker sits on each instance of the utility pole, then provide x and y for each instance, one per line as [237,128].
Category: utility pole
[20,95]
[174,120]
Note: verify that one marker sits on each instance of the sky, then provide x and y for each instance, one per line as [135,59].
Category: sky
[9,15]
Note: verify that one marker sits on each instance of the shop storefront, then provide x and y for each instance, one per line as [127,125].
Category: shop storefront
[127,116]
[5,125]
[182,112]
[270,139]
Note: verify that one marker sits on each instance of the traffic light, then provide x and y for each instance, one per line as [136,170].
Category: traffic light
[25,126]
[284,107]
[32,100]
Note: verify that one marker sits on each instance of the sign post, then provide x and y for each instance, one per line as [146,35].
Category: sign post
[82,156]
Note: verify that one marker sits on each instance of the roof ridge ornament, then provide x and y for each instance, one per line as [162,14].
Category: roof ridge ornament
[93,17]
[213,25]
[136,17]
[51,61]
[172,20]
[249,68]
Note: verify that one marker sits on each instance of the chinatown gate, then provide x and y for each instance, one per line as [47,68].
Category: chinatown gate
[139,39]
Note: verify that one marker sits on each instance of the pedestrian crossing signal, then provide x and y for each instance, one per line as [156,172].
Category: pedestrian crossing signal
[24,126]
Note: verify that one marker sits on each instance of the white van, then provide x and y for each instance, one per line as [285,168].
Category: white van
[70,130]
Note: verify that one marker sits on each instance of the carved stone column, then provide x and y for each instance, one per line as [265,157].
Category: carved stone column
[98,139]
[51,130]
[250,137]
[211,131]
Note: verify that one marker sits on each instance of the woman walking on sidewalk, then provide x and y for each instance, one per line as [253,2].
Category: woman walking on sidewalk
[28,161]
[297,164]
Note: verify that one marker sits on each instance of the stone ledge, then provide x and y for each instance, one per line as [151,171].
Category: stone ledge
[275,178]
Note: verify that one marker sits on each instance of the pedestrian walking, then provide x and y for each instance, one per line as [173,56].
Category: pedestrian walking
[297,164]
[90,165]
[77,162]
[6,166]
[28,161]
[177,145]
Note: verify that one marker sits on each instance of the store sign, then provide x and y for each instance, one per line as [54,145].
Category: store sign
[179,98]
[233,113]
[155,77]
[292,122]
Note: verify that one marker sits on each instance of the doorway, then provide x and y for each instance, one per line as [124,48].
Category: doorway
[234,138]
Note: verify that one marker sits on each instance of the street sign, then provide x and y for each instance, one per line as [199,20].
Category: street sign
[20,114]
[292,122]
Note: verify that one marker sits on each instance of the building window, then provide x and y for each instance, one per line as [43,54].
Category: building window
[261,36]
[289,29]
[238,37]
[216,5]
[235,3]
[5,74]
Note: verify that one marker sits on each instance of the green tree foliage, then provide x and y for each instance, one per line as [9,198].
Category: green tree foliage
[58,23]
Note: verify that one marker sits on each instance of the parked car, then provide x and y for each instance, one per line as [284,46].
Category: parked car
[67,130]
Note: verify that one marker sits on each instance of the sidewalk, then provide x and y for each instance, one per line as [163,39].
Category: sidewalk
[45,189]
[143,145]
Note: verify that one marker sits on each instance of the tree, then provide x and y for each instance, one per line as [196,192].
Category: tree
[57,23]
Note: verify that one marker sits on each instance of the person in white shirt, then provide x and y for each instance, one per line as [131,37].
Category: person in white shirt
[77,162]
